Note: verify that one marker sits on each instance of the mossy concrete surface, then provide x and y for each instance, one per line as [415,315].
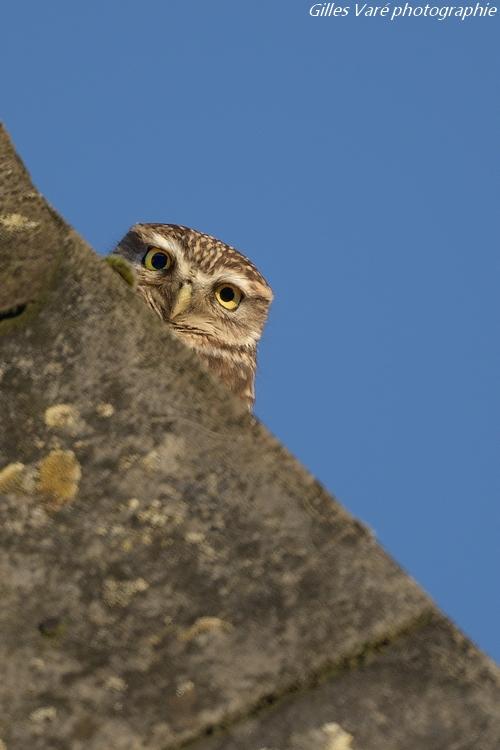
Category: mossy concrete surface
[168,572]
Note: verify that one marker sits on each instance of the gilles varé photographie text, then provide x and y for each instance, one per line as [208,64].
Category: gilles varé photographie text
[394,12]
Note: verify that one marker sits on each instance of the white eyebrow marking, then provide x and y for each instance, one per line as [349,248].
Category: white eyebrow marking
[170,244]
[232,277]
[165,243]
[249,287]
[209,281]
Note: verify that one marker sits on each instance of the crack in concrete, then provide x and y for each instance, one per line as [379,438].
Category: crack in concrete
[326,672]
[13,312]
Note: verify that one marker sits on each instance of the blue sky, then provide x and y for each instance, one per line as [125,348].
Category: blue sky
[356,162]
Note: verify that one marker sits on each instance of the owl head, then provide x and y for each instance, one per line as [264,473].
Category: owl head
[211,296]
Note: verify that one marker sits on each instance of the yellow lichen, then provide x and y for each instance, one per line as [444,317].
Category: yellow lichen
[115,683]
[185,687]
[59,477]
[119,593]
[17,222]
[105,410]
[330,736]
[337,739]
[195,537]
[204,625]
[46,713]
[63,416]
[11,478]
[154,515]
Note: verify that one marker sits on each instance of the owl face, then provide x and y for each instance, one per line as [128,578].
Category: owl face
[210,295]
[198,284]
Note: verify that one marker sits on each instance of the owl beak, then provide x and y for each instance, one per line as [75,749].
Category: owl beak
[182,301]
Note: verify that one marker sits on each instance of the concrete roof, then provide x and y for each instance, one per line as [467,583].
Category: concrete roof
[170,575]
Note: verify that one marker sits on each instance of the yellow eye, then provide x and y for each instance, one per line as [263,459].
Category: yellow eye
[228,296]
[157,259]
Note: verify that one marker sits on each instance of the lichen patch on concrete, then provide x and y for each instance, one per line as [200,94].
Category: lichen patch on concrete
[154,515]
[195,537]
[64,417]
[59,478]
[17,222]
[115,683]
[44,714]
[11,479]
[119,593]
[337,738]
[105,410]
[330,736]
[184,687]
[204,625]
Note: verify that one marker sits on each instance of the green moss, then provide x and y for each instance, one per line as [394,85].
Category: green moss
[122,267]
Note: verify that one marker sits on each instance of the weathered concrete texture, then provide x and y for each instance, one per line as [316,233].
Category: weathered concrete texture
[26,264]
[166,566]
[429,689]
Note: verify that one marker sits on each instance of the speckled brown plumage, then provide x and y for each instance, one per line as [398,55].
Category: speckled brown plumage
[184,296]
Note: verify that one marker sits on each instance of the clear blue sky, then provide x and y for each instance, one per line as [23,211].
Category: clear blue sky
[357,162]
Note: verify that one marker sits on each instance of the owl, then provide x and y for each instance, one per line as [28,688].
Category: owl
[210,295]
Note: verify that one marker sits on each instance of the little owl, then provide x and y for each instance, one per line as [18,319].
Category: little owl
[210,295]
